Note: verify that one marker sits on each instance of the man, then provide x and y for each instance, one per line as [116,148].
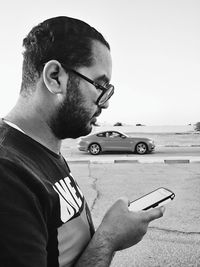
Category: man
[45,220]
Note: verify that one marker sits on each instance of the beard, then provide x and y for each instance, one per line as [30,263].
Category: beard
[72,119]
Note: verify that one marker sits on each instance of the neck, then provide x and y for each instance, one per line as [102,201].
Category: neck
[33,124]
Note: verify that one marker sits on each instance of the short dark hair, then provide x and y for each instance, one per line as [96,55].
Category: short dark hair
[65,39]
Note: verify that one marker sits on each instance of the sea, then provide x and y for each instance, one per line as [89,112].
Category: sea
[147,129]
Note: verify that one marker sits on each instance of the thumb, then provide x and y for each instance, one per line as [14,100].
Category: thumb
[155,213]
[124,200]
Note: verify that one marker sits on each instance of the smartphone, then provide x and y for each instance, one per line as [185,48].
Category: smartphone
[158,197]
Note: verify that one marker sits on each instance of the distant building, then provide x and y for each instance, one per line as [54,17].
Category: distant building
[118,124]
[139,124]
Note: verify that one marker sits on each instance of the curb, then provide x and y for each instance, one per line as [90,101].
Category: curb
[178,146]
[147,160]
[126,161]
[174,161]
[79,161]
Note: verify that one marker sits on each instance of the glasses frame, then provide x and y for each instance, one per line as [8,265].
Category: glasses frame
[104,89]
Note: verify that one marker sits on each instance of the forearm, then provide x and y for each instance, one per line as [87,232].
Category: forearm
[98,253]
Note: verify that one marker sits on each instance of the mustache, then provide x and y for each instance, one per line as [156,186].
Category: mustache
[97,113]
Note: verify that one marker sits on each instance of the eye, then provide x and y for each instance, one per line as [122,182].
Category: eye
[99,87]
[105,84]
[102,84]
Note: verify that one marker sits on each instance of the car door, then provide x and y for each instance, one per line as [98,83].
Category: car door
[117,142]
[101,139]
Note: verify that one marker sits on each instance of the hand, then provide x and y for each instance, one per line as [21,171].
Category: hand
[122,228]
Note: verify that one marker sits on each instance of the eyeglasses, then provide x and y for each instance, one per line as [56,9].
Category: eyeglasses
[107,89]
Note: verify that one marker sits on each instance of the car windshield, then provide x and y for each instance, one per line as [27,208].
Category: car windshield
[124,134]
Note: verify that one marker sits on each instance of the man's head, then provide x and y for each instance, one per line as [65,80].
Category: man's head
[65,39]
[55,48]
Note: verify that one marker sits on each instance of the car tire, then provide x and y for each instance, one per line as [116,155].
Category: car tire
[94,149]
[141,148]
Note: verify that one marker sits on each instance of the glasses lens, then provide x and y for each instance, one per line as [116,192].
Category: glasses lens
[107,94]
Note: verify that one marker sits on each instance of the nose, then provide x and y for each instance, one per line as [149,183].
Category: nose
[105,105]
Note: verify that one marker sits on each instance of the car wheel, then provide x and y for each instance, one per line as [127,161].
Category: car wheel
[94,149]
[141,148]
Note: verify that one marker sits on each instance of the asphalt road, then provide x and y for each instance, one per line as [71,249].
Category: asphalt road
[173,240]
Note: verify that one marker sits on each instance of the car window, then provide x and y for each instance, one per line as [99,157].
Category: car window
[100,134]
[105,134]
[114,135]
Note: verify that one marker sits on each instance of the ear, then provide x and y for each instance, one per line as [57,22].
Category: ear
[54,77]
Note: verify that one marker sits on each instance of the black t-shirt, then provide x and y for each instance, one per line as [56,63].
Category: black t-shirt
[44,218]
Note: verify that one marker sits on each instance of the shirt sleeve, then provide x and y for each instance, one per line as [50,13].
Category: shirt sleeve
[23,230]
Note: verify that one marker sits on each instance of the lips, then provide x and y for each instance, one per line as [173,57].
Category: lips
[94,117]
[93,120]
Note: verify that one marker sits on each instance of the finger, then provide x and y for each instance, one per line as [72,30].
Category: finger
[155,213]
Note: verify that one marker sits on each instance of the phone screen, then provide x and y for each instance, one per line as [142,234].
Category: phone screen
[151,200]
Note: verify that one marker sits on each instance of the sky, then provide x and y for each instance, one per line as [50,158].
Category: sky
[155,49]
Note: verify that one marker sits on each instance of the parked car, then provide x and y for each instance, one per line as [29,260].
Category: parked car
[115,141]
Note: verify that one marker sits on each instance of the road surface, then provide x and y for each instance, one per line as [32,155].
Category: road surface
[173,240]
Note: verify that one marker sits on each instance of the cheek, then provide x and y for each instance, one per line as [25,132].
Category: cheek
[89,100]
